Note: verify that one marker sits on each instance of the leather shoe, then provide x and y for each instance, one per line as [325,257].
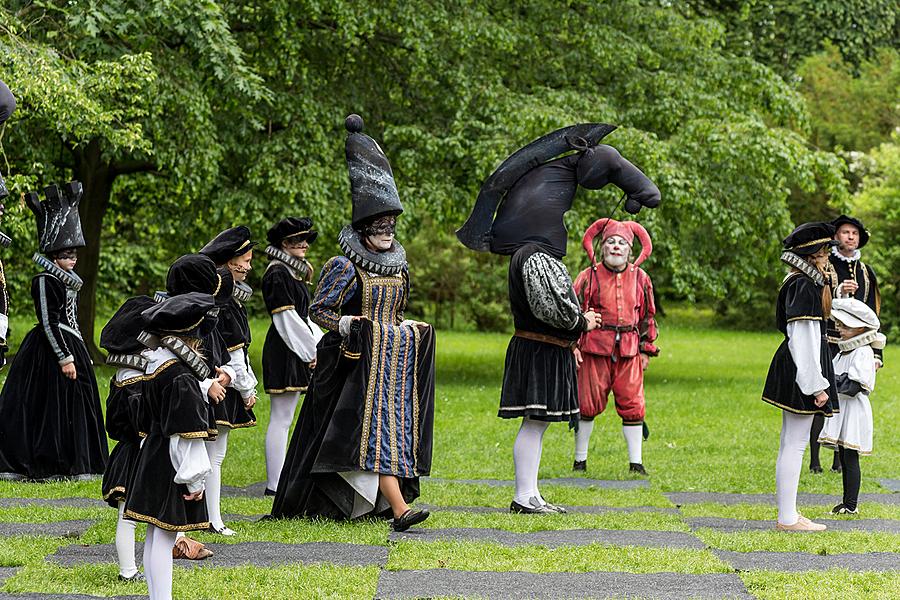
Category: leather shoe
[637,468]
[190,549]
[409,518]
[802,524]
[534,508]
[269,492]
[138,577]
[579,465]
[224,530]
[815,469]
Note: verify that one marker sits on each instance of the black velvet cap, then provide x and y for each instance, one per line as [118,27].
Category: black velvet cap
[193,273]
[808,238]
[228,244]
[292,227]
[226,288]
[845,220]
[119,336]
[180,315]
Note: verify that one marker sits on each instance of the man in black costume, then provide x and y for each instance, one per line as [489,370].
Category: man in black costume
[849,277]
[534,189]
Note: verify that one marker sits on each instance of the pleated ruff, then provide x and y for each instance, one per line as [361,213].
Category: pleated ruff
[539,381]
[50,426]
[283,371]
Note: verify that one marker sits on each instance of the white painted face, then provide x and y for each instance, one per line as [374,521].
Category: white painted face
[615,252]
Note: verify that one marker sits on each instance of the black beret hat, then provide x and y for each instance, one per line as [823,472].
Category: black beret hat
[120,334]
[228,244]
[226,288]
[193,273]
[808,238]
[299,227]
[845,220]
[181,315]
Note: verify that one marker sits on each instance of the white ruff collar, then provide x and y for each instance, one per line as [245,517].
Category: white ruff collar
[869,338]
[804,267]
[837,253]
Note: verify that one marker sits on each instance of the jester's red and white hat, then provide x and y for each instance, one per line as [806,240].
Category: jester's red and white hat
[627,230]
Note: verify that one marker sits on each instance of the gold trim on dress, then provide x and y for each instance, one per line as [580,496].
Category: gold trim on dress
[275,311]
[190,435]
[796,410]
[118,489]
[804,318]
[238,347]
[287,389]
[231,425]
[167,526]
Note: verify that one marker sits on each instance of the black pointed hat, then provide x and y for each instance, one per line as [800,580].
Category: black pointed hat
[229,244]
[180,315]
[808,238]
[120,335]
[371,179]
[292,227]
[58,223]
[845,220]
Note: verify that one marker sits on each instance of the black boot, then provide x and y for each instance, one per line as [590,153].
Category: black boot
[836,463]
[579,465]
[637,468]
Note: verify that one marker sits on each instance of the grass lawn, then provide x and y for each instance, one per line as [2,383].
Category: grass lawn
[709,432]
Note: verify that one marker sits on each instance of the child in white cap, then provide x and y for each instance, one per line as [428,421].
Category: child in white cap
[850,430]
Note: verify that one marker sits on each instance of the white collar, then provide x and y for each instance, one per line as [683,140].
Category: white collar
[837,253]
[869,338]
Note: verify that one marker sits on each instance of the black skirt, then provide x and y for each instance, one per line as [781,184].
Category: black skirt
[232,413]
[283,371]
[51,426]
[122,419]
[781,388]
[539,381]
[118,472]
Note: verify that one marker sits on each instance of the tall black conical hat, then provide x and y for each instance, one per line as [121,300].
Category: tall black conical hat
[58,223]
[371,179]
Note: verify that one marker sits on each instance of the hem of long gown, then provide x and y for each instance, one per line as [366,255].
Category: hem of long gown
[10,476]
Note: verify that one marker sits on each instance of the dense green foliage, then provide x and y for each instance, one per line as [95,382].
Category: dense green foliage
[183,118]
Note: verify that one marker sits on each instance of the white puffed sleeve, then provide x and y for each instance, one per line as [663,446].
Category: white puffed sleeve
[805,344]
[190,461]
[300,335]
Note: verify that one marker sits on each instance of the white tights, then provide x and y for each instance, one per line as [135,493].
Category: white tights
[583,439]
[280,418]
[216,451]
[158,562]
[527,459]
[794,437]
[634,435]
[125,544]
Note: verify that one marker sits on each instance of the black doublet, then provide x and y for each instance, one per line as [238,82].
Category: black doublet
[867,292]
[283,288]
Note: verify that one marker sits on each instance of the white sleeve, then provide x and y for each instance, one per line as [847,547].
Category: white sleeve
[805,343]
[204,387]
[229,370]
[862,367]
[190,461]
[296,334]
[244,381]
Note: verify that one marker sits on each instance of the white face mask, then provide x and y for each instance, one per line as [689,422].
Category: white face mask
[615,252]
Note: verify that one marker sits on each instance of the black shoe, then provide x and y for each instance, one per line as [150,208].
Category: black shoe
[840,509]
[579,465]
[637,468]
[815,469]
[136,578]
[836,468]
[409,518]
[269,492]
[534,508]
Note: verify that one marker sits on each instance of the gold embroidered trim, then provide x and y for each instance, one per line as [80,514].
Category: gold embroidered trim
[129,381]
[794,410]
[415,399]
[149,377]
[190,435]
[244,245]
[218,285]
[392,397]
[238,347]
[167,526]
[275,311]
[813,243]
[118,489]
[287,389]
[370,399]
[834,442]
[236,425]
[351,355]
[804,318]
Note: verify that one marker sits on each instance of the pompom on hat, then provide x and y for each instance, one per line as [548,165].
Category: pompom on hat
[627,230]
[372,185]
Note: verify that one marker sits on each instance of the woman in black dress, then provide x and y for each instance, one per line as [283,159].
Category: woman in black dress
[289,354]
[801,378]
[51,423]
[165,490]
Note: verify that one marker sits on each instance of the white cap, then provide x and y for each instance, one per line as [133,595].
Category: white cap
[853,313]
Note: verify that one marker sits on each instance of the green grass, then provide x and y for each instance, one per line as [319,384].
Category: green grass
[709,432]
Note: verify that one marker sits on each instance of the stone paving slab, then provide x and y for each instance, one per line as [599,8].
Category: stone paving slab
[515,585]
[53,529]
[58,502]
[37,596]
[589,510]
[890,484]
[6,573]
[554,539]
[804,561]
[262,554]
[254,490]
[734,525]
[680,498]
[582,482]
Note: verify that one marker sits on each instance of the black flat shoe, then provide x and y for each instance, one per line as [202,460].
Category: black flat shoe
[269,492]
[579,465]
[409,518]
[836,468]
[534,508]
[815,469]
[637,468]
[136,578]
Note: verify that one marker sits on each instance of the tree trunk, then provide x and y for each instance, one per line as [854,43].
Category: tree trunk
[96,175]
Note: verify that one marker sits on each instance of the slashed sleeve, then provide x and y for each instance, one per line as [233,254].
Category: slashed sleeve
[49,300]
[336,283]
[549,291]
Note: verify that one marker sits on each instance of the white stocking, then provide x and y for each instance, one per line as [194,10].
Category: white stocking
[280,418]
[583,439]
[216,451]
[634,437]
[125,544]
[158,562]
[794,437]
[527,459]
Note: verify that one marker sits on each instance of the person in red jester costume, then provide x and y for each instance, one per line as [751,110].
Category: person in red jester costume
[613,357]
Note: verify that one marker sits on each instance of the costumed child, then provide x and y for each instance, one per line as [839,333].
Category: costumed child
[289,354]
[363,437]
[530,192]
[166,486]
[51,422]
[801,380]
[850,430]
[232,251]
